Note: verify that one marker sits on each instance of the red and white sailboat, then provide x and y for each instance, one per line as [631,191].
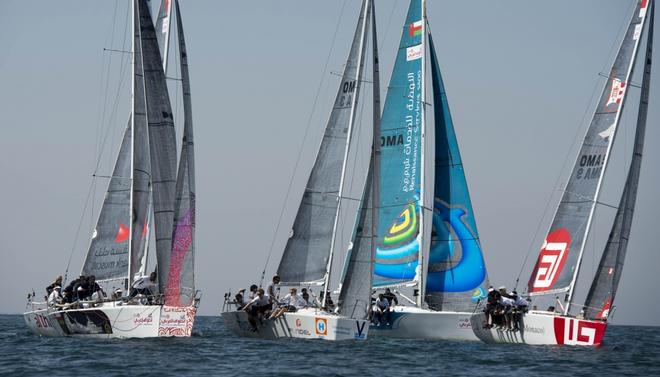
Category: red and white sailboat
[554,278]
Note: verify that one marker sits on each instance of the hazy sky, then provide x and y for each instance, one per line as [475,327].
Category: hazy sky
[520,77]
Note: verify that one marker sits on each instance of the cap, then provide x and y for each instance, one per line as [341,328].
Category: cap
[502,287]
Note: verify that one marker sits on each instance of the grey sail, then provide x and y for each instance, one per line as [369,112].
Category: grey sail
[308,249]
[355,295]
[141,164]
[558,264]
[162,143]
[181,283]
[603,289]
[107,258]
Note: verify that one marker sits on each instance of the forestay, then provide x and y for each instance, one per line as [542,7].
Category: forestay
[180,283]
[400,179]
[355,295]
[603,289]
[307,252]
[557,267]
[107,258]
[456,278]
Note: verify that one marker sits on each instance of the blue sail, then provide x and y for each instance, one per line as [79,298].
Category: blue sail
[399,206]
[456,269]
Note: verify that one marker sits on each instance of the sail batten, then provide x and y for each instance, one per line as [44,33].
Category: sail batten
[559,261]
[602,292]
[307,254]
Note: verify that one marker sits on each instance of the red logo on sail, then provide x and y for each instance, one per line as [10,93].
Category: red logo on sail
[122,234]
[551,260]
[618,90]
[605,310]
[643,7]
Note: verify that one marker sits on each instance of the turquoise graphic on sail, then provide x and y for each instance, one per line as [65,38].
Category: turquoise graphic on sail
[399,207]
[456,262]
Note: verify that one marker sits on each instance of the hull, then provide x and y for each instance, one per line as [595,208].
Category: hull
[542,328]
[415,323]
[111,320]
[303,324]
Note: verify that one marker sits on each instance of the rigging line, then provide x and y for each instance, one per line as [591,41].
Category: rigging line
[302,145]
[75,239]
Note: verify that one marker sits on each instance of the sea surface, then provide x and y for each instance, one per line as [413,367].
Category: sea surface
[213,350]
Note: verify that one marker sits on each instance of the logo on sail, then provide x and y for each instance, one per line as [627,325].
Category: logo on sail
[551,260]
[643,7]
[415,29]
[414,52]
[396,258]
[122,234]
[456,263]
[618,90]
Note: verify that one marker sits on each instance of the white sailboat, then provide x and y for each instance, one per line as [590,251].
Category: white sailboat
[556,318]
[144,186]
[308,256]
[427,238]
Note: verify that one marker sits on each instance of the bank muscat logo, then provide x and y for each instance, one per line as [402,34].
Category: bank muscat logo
[321,326]
[551,260]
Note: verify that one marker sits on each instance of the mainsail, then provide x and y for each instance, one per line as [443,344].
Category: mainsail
[557,267]
[400,214]
[456,270]
[307,252]
[355,291]
[162,143]
[603,289]
[180,283]
[107,258]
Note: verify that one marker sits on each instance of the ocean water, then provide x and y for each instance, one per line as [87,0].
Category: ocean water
[213,350]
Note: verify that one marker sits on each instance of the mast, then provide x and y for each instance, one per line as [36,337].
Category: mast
[420,237]
[130,207]
[351,121]
[631,66]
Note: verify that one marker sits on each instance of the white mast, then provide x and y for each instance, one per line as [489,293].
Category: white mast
[130,206]
[328,268]
[419,273]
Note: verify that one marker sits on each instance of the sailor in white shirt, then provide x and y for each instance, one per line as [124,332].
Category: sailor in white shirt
[144,286]
[273,288]
[382,311]
[258,308]
[55,297]
[290,303]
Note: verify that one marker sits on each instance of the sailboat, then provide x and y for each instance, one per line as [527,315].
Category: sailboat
[427,236]
[556,318]
[144,191]
[308,256]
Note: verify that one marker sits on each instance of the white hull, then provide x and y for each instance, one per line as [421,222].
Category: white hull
[543,328]
[415,323]
[110,320]
[303,324]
